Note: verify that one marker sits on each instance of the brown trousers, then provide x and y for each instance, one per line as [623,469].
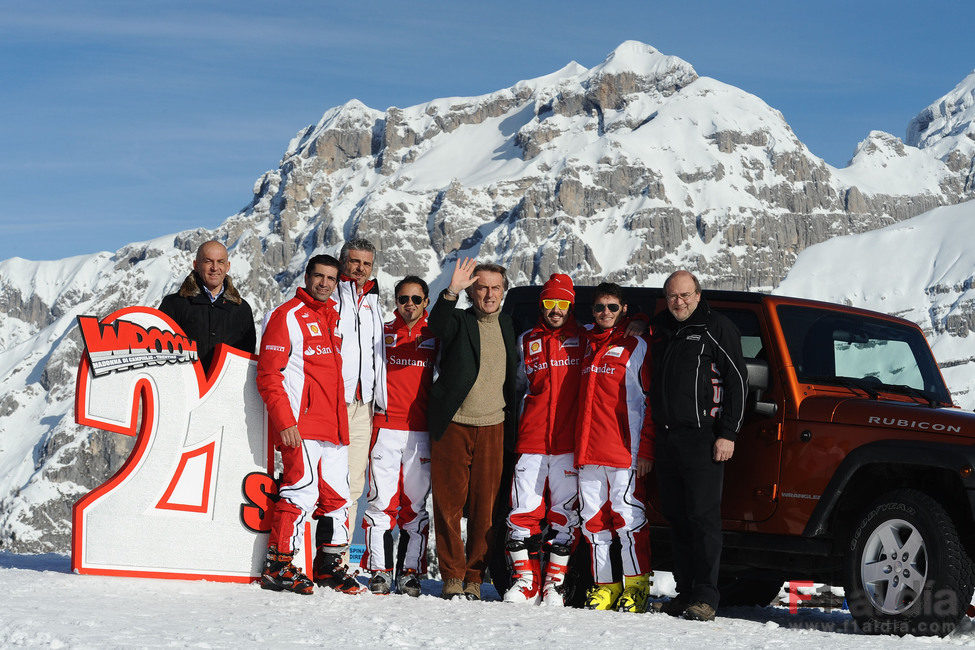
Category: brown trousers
[465,468]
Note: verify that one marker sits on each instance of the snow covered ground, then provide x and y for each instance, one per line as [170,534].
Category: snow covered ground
[45,605]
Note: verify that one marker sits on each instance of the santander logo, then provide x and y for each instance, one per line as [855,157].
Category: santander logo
[123,345]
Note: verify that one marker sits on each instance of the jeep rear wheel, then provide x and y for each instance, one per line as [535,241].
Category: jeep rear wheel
[906,569]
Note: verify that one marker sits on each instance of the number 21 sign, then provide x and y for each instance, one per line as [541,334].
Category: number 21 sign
[190,501]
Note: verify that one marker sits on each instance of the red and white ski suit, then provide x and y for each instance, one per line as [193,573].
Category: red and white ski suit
[299,377]
[399,455]
[612,432]
[545,484]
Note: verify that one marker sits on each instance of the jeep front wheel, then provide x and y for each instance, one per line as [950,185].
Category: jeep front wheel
[906,569]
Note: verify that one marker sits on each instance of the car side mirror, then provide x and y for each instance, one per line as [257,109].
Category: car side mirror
[757,374]
[758,384]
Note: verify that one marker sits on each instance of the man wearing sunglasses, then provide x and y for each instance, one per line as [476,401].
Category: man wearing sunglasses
[545,485]
[613,433]
[470,418]
[698,402]
[399,456]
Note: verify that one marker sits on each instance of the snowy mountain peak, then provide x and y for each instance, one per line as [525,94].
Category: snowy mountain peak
[647,63]
[948,124]
[879,143]
[352,114]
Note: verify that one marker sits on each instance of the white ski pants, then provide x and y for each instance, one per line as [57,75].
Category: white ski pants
[544,488]
[399,485]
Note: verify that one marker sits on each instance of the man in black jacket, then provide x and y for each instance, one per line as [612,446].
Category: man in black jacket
[469,416]
[697,398]
[208,308]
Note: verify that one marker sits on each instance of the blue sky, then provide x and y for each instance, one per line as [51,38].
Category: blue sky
[123,121]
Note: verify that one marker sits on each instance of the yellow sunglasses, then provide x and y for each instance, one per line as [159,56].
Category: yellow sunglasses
[549,303]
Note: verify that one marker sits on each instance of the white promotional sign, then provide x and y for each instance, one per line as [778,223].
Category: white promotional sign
[191,499]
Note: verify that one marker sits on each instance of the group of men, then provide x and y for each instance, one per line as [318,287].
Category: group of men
[432,401]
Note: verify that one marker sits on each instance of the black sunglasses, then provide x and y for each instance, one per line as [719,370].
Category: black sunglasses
[600,307]
[405,299]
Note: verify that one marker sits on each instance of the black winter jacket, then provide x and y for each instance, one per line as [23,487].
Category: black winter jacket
[227,320]
[699,378]
[460,358]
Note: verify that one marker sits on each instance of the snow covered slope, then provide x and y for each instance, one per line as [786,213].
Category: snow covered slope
[922,269]
[624,171]
[97,612]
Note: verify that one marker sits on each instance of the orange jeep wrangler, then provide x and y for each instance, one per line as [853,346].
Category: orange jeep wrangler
[852,468]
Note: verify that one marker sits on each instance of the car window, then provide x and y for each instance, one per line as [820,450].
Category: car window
[751,332]
[836,347]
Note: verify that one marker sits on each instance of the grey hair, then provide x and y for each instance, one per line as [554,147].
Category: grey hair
[492,268]
[357,244]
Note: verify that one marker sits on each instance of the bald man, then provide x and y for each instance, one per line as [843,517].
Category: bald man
[208,308]
[697,398]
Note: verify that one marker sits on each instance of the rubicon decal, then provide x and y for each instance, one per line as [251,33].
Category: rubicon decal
[122,345]
[914,424]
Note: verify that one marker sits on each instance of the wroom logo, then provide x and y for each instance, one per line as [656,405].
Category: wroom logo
[123,345]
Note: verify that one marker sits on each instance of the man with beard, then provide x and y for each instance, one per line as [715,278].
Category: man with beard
[361,329]
[545,487]
[399,457]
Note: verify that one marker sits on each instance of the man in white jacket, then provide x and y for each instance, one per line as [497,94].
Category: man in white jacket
[361,328]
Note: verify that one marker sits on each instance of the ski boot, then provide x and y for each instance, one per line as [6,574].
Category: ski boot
[603,596]
[553,590]
[525,577]
[331,572]
[408,582]
[280,574]
[381,583]
[636,590]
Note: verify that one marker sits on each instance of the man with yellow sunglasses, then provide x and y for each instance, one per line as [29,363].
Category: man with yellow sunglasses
[545,486]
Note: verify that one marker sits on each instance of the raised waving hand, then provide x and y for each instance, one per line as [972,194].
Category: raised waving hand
[462,276]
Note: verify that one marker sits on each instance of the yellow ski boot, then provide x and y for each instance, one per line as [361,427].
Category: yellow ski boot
[636,590]
[603,596]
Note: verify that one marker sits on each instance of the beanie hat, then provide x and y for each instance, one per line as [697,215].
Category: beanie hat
[558,287]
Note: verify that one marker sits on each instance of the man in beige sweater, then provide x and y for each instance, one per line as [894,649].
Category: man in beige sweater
[470,404]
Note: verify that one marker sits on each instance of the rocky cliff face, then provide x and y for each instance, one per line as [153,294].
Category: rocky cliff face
[625,171]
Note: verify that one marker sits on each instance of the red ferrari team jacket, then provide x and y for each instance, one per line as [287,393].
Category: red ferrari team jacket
[299,370]
[405,376]
[548,372]
[613,426]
